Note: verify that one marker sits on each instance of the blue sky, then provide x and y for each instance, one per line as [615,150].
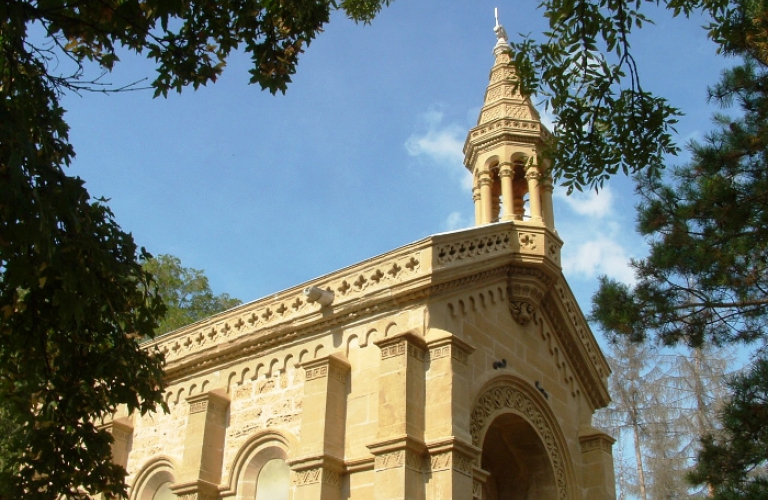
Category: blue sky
[362,155]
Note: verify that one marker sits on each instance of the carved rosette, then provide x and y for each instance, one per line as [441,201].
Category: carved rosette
[525,290]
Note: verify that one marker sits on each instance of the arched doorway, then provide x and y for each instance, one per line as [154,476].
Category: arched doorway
[517,462]
[524,455]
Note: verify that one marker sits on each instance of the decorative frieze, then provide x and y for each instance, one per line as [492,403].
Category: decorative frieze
[393,350]
[121,434]
[446,351]
[308,476]
[198,406]
[389,460]
[451,460]
[207,405]
[473,247]
[316,372]
[477,489]
[601,442]
[452,347]
[196,496]
[399,458]
[400,345]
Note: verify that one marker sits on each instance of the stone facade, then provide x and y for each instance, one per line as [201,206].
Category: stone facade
[458,366]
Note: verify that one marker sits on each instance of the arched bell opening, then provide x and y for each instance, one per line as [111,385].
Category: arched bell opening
[517,462]
[519,189]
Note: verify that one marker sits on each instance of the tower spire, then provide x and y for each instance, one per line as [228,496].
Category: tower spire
[503,150]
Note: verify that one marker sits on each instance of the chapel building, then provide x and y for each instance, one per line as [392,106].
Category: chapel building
[456,367]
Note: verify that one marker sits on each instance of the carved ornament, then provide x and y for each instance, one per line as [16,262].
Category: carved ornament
[599,442]
[510,398]
[526,290]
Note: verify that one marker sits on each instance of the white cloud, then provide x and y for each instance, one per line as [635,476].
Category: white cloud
[589,203]
[456,220]
[598,256]
[442,143]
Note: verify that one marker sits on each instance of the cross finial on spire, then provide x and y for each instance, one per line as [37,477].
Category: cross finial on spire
[501,33]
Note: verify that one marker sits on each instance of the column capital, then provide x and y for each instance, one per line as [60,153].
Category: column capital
[506,169]
[484,180]
[401,343]
[532,172]
[450,346]
[402,451]
[334,364]
[214,402]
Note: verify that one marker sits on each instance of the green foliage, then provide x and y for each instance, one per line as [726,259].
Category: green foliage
[605,121]
[705,280]
[185,292]
[735,460]
[74,298]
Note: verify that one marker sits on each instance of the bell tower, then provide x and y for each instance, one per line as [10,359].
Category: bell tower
[503,152]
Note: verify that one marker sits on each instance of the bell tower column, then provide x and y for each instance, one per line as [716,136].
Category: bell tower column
[485,182]
[533,176]
[506,173]
[478,206]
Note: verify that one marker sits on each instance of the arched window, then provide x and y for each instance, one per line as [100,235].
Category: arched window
[155,480]
[274,481]
[260,470]
[163,492]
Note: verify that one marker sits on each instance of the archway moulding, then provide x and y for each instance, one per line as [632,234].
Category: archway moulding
[157,470]
[509,394]
[281,442]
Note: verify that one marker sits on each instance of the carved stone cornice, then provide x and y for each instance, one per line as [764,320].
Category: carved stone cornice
[573,333]
[432,266]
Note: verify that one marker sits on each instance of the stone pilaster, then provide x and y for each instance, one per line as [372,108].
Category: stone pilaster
[451,463]
[479,478]
[122,434]
[399,451]
[597,464]
[203,455]
[318,473]
[447,410]
[448,389]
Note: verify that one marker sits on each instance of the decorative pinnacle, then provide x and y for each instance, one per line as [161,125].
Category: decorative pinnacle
[501,33]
